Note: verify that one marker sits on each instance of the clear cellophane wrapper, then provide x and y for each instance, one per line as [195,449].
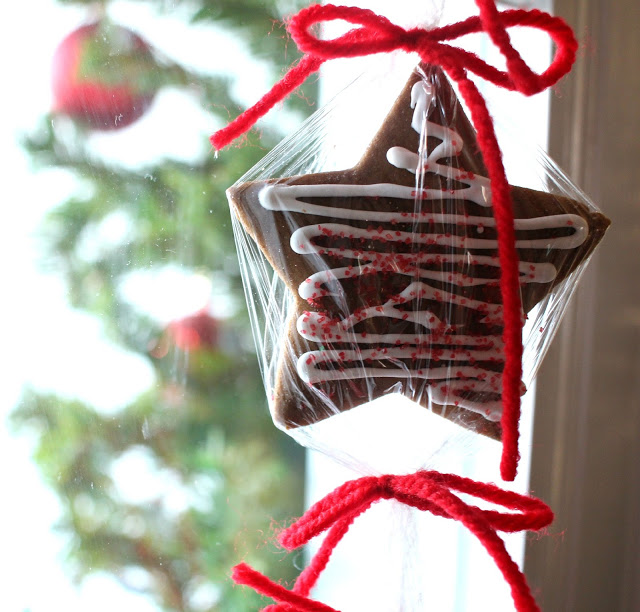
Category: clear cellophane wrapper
[369,255]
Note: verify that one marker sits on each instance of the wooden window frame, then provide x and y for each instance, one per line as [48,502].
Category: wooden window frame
[586,441]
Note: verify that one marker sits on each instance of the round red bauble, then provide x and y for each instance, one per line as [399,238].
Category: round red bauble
[102,76]
[195,332]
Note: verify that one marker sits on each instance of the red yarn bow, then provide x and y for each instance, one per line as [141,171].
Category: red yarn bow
[377,34]
[427,491]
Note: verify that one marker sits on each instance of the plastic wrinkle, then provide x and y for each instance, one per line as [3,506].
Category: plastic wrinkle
[377,34]
[425,490]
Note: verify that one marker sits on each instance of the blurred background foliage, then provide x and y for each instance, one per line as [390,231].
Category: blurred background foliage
[201,431]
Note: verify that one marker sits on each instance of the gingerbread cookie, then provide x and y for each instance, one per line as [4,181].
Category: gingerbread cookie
[394,267]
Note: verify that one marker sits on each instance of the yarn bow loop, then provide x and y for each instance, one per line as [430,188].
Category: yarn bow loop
[376,34]
[429,491]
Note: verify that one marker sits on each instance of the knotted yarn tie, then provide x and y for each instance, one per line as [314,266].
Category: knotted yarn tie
[425,490]
[376,34]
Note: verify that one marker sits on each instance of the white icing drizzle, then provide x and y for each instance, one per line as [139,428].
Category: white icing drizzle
[416,291]
[280,196]
[302,239]
[432,351]
[314,286]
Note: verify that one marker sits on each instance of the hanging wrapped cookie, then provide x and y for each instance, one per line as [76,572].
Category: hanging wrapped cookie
[389,271]
[418,272]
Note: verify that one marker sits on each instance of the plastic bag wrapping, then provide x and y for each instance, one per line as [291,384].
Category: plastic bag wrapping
[382,279]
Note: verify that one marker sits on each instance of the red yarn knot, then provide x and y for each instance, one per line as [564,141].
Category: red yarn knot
[376,34]
[425,490]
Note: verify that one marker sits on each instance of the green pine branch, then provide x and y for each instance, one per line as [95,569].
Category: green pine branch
[204,420]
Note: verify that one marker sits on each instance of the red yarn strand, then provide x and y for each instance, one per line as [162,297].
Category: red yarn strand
[377,34]
[427,491]
[509,277]
[289,83]
[246,575]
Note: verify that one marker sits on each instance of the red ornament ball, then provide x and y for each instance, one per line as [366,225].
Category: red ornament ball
[199,331]
[103,76]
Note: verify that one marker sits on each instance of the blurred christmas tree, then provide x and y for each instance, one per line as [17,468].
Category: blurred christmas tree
[202,429]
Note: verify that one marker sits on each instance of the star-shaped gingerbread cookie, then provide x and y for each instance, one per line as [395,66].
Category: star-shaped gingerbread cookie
[393,264]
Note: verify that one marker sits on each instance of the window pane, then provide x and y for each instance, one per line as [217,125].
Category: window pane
[140,461]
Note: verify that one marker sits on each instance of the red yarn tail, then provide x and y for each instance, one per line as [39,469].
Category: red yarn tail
[243,574]
[509,275]
[295,77]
